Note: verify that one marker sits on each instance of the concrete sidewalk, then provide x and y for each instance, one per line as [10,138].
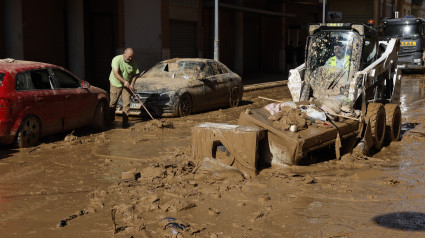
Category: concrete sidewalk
[258,86]
[262,80]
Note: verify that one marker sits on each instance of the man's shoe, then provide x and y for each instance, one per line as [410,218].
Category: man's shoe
[112,114]
[124,120]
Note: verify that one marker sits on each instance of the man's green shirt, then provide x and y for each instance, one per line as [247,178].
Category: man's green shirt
[128,70]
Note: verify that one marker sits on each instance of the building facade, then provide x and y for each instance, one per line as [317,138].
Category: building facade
[406,8]
[84,35]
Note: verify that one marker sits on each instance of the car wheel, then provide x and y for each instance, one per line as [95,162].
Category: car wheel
[234,97]
[99,117]
[29,133]
[185,105]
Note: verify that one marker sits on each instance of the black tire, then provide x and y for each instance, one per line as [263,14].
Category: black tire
[185,105]
[376,114]
[234,97]
[28,133]
[393,122]
[99,117]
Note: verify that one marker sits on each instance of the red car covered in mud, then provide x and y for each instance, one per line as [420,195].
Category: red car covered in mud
[38,99]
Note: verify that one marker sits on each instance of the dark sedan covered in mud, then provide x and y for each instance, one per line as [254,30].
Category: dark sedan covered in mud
[179,87]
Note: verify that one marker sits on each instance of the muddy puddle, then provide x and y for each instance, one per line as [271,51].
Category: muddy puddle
[76,188]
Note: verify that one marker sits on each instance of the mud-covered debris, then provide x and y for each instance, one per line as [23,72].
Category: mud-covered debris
[174,226]
[70,138]
[288,116]
[310,180]
[212,169]
[392,181]
[187,206]
[274,108]
[157,124]
[64,222]
[258,215]
[354,156]
[7,60]
[213,211]
[130,175]
[188,167]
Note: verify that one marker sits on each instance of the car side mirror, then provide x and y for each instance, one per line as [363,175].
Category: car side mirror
[85,84]
[201,76]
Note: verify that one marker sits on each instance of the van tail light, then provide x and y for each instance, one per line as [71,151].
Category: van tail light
[4,102]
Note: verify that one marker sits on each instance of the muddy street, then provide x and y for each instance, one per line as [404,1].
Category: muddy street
[72,185]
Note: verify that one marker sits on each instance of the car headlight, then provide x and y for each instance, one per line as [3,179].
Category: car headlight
[417,60]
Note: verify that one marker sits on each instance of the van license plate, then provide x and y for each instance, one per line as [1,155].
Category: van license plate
[408,43]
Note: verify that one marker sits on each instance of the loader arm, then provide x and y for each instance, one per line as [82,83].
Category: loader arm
[296,82]
[386,63]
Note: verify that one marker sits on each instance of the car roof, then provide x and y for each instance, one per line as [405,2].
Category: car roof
[188,59]
[14,66]
[403,20]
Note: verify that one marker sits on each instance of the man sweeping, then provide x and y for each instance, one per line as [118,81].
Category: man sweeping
[122,78]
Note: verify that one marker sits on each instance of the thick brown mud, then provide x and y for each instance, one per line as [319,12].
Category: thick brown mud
[71,186]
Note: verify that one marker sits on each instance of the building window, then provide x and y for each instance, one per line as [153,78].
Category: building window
[389,10]
[185,3]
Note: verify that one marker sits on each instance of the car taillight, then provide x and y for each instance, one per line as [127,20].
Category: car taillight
[4,102]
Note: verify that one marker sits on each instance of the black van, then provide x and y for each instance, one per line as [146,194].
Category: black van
[411,32]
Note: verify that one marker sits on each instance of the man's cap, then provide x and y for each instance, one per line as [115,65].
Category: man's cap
[341,43]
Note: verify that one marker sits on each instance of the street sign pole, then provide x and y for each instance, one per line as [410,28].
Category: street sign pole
[216,41]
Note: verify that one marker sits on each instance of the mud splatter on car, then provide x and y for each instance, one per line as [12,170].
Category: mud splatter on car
[179,87]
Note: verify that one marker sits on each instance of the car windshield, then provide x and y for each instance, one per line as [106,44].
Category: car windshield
[401,30]
[177,69]
[333,57]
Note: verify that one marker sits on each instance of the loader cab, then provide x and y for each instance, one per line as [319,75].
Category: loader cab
[335,53]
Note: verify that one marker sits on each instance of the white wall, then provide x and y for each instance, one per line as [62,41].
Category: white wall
[143,31]
[13,34]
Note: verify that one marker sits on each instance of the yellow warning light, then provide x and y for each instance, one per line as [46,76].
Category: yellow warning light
[335,24]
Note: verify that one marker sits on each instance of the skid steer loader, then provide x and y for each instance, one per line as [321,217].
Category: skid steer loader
[353,80]
[348,89]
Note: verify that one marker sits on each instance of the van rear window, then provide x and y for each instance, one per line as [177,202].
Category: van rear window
[1,78]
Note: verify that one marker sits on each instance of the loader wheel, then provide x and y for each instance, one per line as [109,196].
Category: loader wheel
[393,127]
[376,114]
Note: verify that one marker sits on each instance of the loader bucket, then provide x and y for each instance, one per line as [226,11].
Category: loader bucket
[286,147]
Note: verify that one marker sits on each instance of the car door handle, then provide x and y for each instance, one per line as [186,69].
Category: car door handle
[67,97]
[38,98]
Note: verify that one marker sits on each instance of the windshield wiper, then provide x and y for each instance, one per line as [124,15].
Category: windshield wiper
[336,80]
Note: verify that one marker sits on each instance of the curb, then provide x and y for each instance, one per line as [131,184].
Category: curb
[258,86]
